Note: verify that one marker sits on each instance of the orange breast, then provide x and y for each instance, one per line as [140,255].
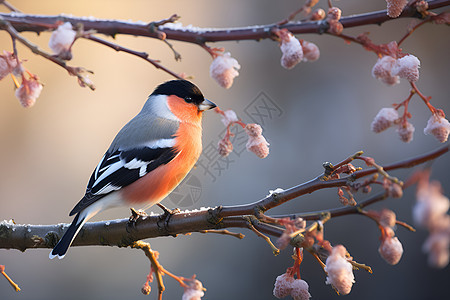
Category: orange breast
[156,185]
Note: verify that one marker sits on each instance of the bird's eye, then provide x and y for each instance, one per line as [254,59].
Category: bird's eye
[188,99]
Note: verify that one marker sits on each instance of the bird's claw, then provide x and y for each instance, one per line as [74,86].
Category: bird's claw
[168,213]
[135,215]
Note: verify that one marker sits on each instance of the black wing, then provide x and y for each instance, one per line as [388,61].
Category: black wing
[120,168]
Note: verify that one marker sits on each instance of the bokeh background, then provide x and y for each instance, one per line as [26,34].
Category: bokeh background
[47,152]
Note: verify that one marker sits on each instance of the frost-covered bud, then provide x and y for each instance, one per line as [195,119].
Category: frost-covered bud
[382,70]
[61,40]
[8,64]
[300,290]
[318,14]
[225,146]
[422,6]
[391,250]
[228,117]
[387,218]
[29,91]
[224,69]
[395,7]
[339,270]
[431,205]
[406,132]
[407,67]
[256,142]
[283,286]
[291,48]
[194,291]
[438,126]
[437,245]
[384,119]
[310,51]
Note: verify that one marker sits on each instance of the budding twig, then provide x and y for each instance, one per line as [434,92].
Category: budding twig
[224,232]
[11,282]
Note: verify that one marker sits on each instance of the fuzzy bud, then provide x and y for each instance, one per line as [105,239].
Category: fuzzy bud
[395,7]
[310,51]
[8,64]
[291,48]
[382,70]
[224,69]
[384,119]
[395,190]
[339,270]
[391,250]
[146,289]
[225,147]
[437,245]
[431,206]
[407,67]
[406,132]
[336,27]
[422,6]
[61,40]
[300,290]
[387,218]
[334,13]
[194,291]
[318,14]
[256,142]
[283,286]
[228,117]
[438,126]
[29,91]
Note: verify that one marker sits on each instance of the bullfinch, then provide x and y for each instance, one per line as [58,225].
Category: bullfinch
[147,159]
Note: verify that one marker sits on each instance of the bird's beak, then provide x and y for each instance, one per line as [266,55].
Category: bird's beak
[205,105]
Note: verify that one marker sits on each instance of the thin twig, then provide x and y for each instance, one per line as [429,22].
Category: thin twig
[142,55]
[11,282]
[224,232]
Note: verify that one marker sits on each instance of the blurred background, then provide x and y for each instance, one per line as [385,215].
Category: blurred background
[316,112]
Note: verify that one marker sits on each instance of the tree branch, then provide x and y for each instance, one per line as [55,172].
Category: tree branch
[117,233]
[39,23]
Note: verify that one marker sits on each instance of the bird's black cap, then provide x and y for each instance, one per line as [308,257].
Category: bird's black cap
[181,88]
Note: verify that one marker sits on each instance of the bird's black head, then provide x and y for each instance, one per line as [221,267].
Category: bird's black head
[181,88]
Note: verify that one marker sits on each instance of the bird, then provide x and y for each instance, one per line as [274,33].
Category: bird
[147,159]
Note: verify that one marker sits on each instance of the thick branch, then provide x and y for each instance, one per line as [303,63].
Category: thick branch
[118,233]
[39,23]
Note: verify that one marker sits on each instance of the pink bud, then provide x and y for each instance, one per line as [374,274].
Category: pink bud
[256,142]
[300,290]
[406,132]
[387,218]
[318,14]
[61,40]
[334,13]
[438,126]
[384,119]
[382,70]
[391,250]
[407,67]
[29,91]
[339,270]
[395,7]
[291,49]
[310,51]
[8,64]
[437,245]
[283,286]
[194,291]
[225,146]
[228,117]
[224,69]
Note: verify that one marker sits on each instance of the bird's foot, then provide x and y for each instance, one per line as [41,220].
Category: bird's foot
[135,215]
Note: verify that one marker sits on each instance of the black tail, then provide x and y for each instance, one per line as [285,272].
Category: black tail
[65,242]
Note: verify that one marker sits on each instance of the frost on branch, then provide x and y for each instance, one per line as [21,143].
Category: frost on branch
[224,69]
[291,48]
